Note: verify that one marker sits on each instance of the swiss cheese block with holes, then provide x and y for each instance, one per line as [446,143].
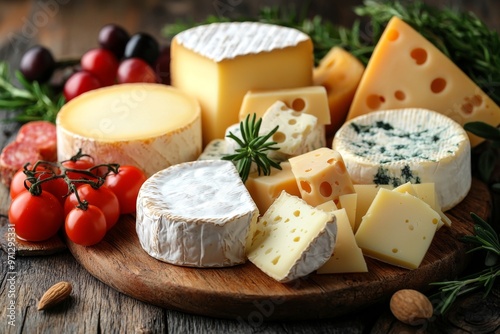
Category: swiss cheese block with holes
[150,126]
[407,71]
[310,100]
[398,228]
[408,145]
[196,214]
[339,72]
[321,176]
[292,239]
[219,63]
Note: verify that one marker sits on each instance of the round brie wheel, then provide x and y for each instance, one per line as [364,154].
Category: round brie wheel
[150,126]
[408,145]
[196,214]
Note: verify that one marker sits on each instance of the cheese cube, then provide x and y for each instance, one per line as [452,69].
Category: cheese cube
[321,176]
[347,257]
[264,189]
[398,229]
[339,72]
[310,100]
[292,239]
[293,127]
[219,63]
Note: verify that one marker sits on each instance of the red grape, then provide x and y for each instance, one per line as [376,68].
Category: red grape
[79,83]
[113,38]
[135,70]
[102,64]
[162,67]
[37,64]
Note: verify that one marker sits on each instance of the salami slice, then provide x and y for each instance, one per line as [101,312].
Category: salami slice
[13,157]
[42,136]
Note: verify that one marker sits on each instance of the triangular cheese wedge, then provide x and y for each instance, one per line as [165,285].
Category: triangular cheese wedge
[407,71]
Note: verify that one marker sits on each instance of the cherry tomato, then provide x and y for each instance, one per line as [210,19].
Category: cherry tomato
[81,164]
[56,187]
[85,227]
[102,64]
[126,185]
[36,218]
[102,197]
[79,83]
[135,70]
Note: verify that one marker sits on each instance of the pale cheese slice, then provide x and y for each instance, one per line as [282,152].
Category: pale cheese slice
[196,214]
[292,239]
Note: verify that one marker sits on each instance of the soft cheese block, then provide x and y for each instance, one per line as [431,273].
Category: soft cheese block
[407,71]
[150,126]
[340,73]
[219,63]
[321,176]
[398,229]
[196,214]
[292,239]
[408,145]
[311,100]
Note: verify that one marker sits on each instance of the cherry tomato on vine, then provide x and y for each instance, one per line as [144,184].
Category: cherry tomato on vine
[36,217]
[102,64]
[85,227]
[79,83]
[56,187]
[135,70]
[126,185]
[103,198]
[80,164]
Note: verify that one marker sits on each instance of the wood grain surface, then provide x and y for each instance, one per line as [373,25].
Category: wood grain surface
[246,292]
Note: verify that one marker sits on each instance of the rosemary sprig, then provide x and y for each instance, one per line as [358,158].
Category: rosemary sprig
[253,148]
[485,238]
[32,102]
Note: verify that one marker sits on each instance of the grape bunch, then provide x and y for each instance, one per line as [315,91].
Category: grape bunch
[119,58]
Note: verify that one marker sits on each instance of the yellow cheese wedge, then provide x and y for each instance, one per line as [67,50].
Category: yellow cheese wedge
[339,72]
[321,176]
[349,203]
[365,195]
[398,229]
[407,71]
[150,126]
[309,100]
[218,63]
[347,257]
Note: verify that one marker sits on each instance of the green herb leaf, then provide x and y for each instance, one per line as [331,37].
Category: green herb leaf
[483,130]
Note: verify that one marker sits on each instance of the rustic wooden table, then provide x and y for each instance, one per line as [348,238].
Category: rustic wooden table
[69,28]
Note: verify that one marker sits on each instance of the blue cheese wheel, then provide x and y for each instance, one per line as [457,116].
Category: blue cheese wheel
[408,145]
[195,214]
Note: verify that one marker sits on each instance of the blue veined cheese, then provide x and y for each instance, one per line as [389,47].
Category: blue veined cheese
[215,150]
[408,145]
[196,214]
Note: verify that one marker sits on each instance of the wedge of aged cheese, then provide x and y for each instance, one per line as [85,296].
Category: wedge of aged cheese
[219,63]
[349,203]
[347,257]
[321,176]
[196,214]
[415,74]
[408,145]
[309,100]
[266,188]
[292,239]
[339,72]
[365,193]
[398,229]
[150,126]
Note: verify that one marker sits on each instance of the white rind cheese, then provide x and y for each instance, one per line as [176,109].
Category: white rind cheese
[292,239]
[408,145]
[196,214]
[150,126]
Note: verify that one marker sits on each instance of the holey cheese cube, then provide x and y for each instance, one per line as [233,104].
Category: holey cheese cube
[408,145]
[220,62]
[321,176]
[398,228]
[195,214]
[292,239]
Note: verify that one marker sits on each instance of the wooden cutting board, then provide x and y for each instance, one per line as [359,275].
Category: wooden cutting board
[246,294]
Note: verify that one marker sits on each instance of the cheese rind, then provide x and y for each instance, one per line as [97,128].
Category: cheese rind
[219,63]
[150,126]
[292,239]
[195,214]
[407,71]
[398,229]
[408,145]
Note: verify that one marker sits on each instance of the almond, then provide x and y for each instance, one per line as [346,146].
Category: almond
[410,306]
[54,295]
